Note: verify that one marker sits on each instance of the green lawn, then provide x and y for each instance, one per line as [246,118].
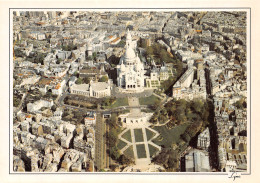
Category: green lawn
[124,111]
[117,103]
[121,144]
[120,102]
[138,135]
[141,153]
[127,136]
[169,136]
[152,150]
[148,100]
[149,134]
[129,152]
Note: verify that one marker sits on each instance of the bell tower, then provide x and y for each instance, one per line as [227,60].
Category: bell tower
[128,39]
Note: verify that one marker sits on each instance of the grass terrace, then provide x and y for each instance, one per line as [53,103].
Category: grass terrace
[138,135]
[124,111]
[141,153]
[152,150]
[118,103]
[149,134]
[121,144]
[127,136]
[129,152]
[151,100]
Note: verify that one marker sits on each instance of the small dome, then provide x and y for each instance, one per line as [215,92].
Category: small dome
[122,67]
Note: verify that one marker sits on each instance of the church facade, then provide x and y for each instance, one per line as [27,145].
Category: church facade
[130,71]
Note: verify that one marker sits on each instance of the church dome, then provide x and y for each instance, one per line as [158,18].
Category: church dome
[129,53]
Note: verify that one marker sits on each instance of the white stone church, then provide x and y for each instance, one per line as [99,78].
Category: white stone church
[130,71]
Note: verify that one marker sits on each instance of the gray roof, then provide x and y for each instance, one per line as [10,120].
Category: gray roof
[99,86]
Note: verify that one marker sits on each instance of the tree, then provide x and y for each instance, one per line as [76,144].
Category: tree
[124,160]
[157,49]
[76,74]
[186,137]
[179,68]
[53,108]
[239,104]
[58,61]
[108,101]
[103,79]
[167,158]
[89,57]
[149,51]
[168,83]
[115,153]
[69,47]
[141,43]
[156,104]
[112,137]
[16,101]
[205,115]
[121,43]
[86,80]
[114,60]
[244,104]
[154,120]
[197,105]
[193,128]
[179,115]
[172,162]
[181,104]
[94,55]
[39,58]
[111,123]
[79,81]
[48,94]
[78,114]
[163,112]
[18,53]
[164,55]
[242,133]
[65,113]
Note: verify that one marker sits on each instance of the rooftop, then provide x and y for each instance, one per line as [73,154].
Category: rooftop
[99,86]
[83,87]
